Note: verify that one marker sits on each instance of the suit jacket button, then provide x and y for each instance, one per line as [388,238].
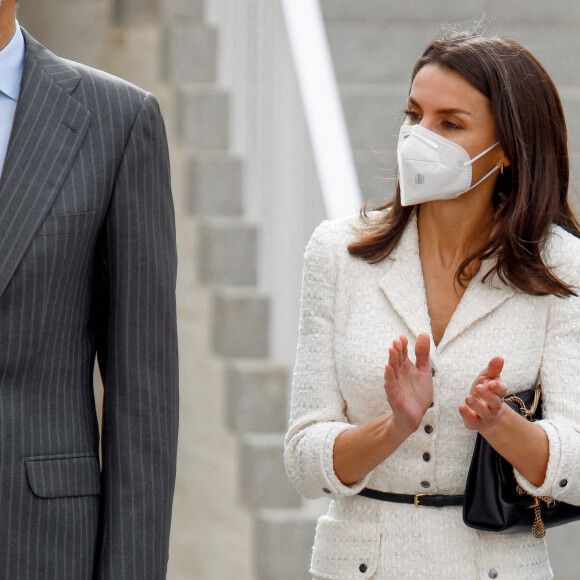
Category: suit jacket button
[425,484]
[426,456]
[492,573]
[363,568]
[563,482]
[325,490]
[428,429]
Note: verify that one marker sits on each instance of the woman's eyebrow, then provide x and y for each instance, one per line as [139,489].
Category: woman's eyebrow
[450,111]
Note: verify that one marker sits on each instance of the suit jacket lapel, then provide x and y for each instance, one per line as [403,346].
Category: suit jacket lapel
[49,127]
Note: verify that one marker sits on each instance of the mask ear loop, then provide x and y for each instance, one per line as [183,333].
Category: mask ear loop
[495,168]
[480,155]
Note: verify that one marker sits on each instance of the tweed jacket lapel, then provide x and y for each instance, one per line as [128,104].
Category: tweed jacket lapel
[49,127]
[403,283]
[404,287]
[480,299]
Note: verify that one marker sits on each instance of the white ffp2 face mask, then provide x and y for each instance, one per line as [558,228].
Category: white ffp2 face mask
[432,167]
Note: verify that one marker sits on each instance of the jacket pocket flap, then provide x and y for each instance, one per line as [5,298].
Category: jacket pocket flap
[65,224]
[345,550]
[63,475]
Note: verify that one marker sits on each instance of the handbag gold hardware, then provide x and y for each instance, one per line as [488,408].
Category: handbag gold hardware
[538,528]
[528,412]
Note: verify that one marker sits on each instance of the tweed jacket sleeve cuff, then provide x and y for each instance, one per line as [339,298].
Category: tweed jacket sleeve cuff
[561,472]
[334,486]
[309,458]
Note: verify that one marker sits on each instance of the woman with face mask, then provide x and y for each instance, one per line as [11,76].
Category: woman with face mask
[419,318]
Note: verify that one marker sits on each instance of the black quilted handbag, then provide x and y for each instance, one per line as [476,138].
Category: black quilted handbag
[494,501]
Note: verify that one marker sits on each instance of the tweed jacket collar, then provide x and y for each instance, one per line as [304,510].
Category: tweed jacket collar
[404,287]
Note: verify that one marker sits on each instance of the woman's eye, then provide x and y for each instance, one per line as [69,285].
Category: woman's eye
[451,125]
[412,116]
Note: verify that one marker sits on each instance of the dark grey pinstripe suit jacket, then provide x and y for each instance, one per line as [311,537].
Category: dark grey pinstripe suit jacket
[87,265]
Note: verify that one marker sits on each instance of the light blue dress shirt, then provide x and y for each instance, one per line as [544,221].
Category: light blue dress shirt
[11,67]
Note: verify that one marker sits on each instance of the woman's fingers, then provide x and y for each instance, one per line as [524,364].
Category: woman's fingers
[422,347]
[499,388]
[399,347]
[394,361]
[488,394]
[404,343]
[494,367]
[391,383]
[491,372]
[477,406]
[470,419]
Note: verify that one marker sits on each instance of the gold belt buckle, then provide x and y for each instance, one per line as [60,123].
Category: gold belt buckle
[417,504]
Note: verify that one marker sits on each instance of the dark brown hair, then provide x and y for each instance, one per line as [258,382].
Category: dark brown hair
[532,194]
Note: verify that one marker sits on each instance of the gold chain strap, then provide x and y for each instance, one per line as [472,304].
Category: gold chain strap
[538,527]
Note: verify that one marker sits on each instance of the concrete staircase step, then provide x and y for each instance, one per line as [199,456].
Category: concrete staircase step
[214,184]
[283,544]
[203,117]
[451,11]
[228,251]
[184,8]
[263,479]
[256,396]
[190,51]
[241,322]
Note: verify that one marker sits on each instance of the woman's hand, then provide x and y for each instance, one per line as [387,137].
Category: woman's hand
[520,442]
[484,404]
[409,386]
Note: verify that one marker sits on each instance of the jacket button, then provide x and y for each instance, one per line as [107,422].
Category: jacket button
[492,573]
[428,429]
[563,482]
[426,456]
[325,490]
[425,484]
[363,568]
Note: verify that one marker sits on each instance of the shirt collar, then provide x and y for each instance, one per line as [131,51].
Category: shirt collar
[12,65]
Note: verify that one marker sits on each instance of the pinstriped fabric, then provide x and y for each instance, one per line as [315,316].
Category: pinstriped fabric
[88,268]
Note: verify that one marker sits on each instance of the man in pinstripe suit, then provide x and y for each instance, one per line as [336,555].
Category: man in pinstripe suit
[87,267]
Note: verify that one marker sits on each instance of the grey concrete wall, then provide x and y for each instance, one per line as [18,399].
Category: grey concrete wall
[86,23]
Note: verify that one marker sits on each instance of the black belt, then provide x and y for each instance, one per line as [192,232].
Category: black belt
[419,500]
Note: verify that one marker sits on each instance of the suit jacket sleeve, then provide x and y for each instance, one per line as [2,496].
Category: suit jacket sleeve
[134,325]
[317,415]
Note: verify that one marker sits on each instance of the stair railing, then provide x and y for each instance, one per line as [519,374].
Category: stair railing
[287,124]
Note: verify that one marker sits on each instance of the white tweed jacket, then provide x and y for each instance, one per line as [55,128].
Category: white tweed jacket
[350,313]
